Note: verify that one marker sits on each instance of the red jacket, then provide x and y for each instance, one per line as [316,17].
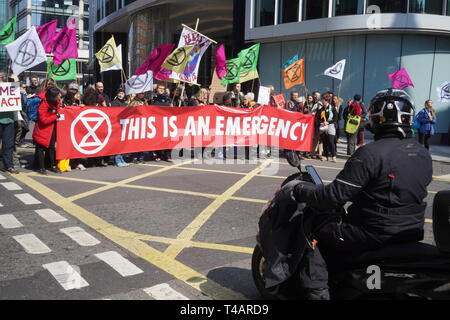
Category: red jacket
[45,125]
[355,109]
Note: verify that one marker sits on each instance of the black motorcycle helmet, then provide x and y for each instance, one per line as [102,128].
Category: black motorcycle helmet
[391,110]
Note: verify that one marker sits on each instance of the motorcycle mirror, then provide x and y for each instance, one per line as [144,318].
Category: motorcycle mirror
[293,159]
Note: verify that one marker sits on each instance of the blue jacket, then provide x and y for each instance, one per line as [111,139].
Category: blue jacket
[426,126]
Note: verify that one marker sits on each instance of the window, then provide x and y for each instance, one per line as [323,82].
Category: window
[425,6]
[288,11]
[389,6]
[315,9]
[264,13]
[348,7]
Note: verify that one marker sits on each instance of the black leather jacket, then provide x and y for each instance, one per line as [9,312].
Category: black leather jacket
[386,181]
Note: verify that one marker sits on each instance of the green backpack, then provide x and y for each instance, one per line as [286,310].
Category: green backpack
[352,124]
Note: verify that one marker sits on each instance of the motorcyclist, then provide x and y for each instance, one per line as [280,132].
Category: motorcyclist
[386,181]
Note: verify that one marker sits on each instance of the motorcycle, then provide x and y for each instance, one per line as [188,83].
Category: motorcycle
[398,271]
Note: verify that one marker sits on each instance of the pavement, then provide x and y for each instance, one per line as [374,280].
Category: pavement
[151,231]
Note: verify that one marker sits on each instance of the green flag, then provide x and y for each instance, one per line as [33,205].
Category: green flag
[232,76]
[67,70]
[8,32]
[249,58]
[178,59]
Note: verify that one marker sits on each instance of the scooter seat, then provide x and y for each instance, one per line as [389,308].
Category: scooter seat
[414,255]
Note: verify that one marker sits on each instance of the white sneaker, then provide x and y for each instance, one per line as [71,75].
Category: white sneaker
[81,167]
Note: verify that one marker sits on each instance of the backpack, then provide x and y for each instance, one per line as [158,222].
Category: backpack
[33,107]
[416,124]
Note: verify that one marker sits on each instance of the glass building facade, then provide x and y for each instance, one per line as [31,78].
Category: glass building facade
[413,34]
[3,20]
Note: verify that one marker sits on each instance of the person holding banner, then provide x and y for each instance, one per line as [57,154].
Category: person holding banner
[7,139]
[45,129]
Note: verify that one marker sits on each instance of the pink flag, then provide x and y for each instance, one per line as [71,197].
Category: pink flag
[155,60]
[400,79]
[221,62]
[46,33]
[65,44]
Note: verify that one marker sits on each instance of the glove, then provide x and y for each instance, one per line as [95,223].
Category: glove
[285,194]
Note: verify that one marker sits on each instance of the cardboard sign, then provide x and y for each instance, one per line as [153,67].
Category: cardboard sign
[10,97]
[280,101]
[216,90]
[264,96]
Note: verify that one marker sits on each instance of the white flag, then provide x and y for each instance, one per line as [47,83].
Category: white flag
[201,44]
[26,52]
[443,92]
[336,71]
[139,84]
[119,65]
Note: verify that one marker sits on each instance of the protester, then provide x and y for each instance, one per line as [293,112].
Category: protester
[248,101]
[309,104]
[72,98]
[138,100]
[120,100]
[99,88]
[179,98]
[45,129]
[89,98]
[427,118]
[354,109]
[162,98]
[327,119]
[200,99]
[294,103]
[7,140]
[226,100]
[237,96]
[336,102]
[33,88]
[362,125]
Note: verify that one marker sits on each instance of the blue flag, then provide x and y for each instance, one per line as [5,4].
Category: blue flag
[290,61]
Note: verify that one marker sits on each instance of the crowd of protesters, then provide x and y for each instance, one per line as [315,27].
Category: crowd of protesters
[328,109]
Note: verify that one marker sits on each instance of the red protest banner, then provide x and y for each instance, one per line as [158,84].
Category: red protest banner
[94,132]
[280,101]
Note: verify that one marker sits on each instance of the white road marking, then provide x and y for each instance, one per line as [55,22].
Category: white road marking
[11,186]
[2,177]
[32,244]
[164,292]
[67,276]
[124,267]
[50,215]
[1,205]
[80,236]
[446,176]
[8,221]
[27,198]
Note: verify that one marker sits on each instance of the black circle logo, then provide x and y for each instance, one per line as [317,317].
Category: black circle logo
[107,54]
[402,81]
[26,54]
[61,70]
[337,69]
[294,73]
[62,46]
[178,57]
[249,60]
[232,71]
[138,82]
[445,92]
[7,33]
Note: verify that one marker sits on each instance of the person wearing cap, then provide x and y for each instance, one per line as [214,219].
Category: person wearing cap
[120,100]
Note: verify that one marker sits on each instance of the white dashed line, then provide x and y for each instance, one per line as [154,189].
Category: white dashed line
[164,292]
[124,267]
[67,276]
[32,244]
[80,236]
[2,177]
[1,205]
[50,215]
[27,198]
[11,186]
[8,221]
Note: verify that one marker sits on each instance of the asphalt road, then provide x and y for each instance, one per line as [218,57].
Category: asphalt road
[158,230]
